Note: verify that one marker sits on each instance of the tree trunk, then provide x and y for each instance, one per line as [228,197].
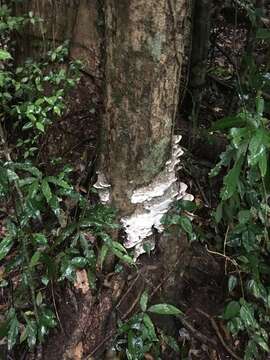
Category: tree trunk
[144,46]
[199,54]
[74,20]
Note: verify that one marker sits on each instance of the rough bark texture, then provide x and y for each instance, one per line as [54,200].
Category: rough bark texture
[144,42]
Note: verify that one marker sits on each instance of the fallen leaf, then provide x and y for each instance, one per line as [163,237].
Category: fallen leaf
[81,282]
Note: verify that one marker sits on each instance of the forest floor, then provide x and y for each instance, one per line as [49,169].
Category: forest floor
[191,276]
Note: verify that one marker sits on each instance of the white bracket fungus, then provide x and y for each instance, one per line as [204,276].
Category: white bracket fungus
[102,187]
[152,201]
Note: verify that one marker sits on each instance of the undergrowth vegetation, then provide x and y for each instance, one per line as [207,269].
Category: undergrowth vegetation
[50,232]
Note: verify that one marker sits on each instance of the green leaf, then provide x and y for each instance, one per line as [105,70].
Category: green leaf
[79,262]
[247,316]
[232,310]
[31,333]
[5,246]
[171,342]
[125,258]
[39,126]
[228,122]
[39,298]
[261,342]
[244,216]
[185,224]
[187,205]
[4,55]
[35,259]
[231,179]
[40,239]
[219,212]
[144,301]
[116,245]
[28,167]
[263,162]
[13,329]
[251,351]
[55,205]
[256,147]
[102,254]
[150,327]
[47,318]
[232,282]
[46,190]
[33,189]
[165,309]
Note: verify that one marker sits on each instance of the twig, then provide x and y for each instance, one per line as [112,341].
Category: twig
[224,248]
[55,308]
[234,264]
[196,333]
[128,291]
[216,328]
[133,305]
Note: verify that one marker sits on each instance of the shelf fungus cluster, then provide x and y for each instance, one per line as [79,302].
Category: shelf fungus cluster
[151,202]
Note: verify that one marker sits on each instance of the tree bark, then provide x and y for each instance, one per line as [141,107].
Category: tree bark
[199,54]
[144,47]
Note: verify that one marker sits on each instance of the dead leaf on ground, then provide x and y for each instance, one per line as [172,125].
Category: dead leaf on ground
[81,282]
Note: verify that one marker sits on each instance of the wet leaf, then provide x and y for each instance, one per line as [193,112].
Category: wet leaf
[150,327]
[165,309]
[46,190]
[4,55]
[39,298]
[5,246]
[231,179]
[232,282]
[40,239]
[144,301]
[171,342]
[185,224]
[102,254]
[256,147]
[247,316]
[260,341]
[47,318]
[31,333]
[79,262]
[13,329]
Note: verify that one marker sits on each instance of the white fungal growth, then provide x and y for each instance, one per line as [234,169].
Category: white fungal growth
[103,187]
[153,201]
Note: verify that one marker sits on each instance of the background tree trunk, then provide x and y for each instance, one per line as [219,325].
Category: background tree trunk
[199,54]
[78,21]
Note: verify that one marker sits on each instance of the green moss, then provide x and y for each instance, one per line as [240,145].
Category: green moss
[155,160]
[155,44]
